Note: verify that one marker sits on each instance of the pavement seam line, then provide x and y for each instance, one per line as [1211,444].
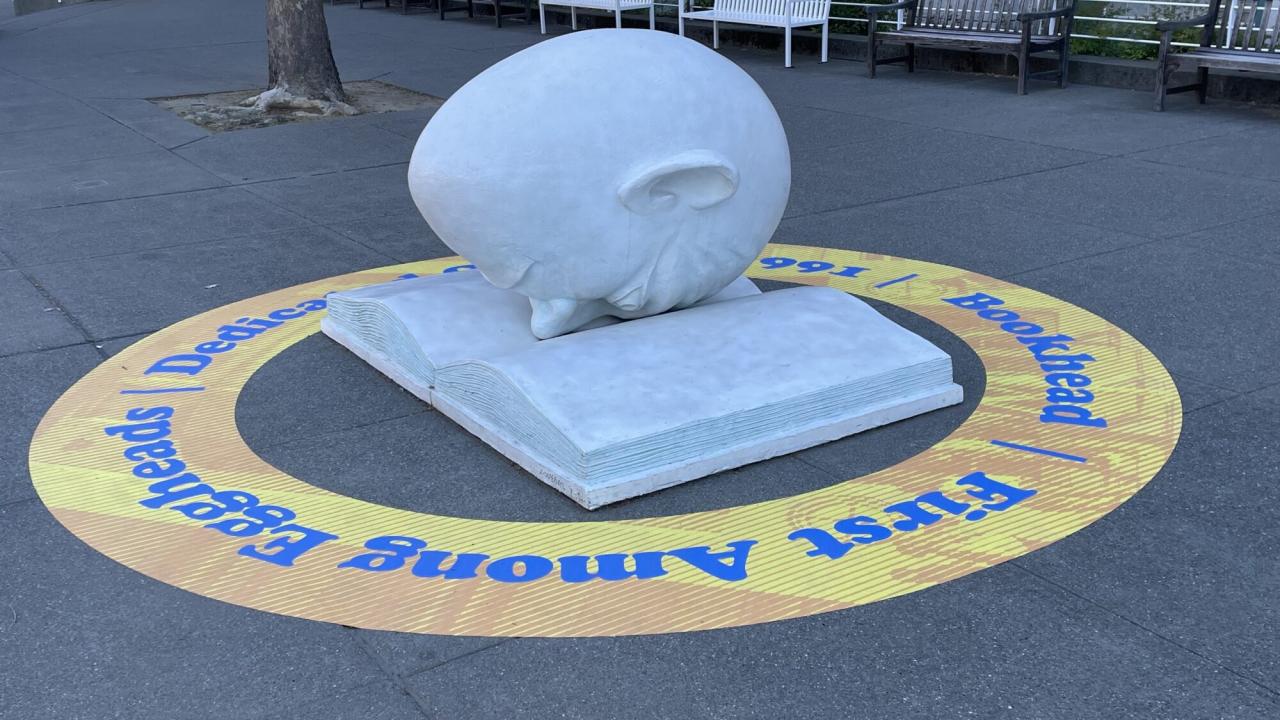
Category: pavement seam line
[1185,376]
[361,426]
[95,109]
[182,47]
[37,351]
[1182,236]
[216,174]
[339,233]
[1135,153]
[247,184]
[1184,241]
[143,196]
[71,319]
[952,187]
[978,134]
[936,128]
[1052,213]
[188,243]
[1213,404]
[189,142]
[35,26]
[1268,386]
[1063,219]
[1272,692]
[1236,176]
[469,653]
[13,503]
[1109,251]
[225,184]
[1089,256]
[396,680]
[825,471]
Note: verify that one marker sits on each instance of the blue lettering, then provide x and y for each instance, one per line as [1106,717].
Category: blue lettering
[185,364]
[730,565]
[531,567]
[294,540]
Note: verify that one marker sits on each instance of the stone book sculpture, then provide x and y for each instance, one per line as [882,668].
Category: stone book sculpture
[685,401]
[608,342]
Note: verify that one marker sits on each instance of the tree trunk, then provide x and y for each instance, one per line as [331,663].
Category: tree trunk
[301,73]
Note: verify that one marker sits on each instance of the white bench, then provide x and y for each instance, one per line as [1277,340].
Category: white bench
[784,14]
[615,6]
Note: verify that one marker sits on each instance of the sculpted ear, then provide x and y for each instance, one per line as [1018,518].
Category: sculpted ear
[697,178]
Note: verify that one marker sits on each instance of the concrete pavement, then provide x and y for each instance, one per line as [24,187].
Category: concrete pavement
[118,218]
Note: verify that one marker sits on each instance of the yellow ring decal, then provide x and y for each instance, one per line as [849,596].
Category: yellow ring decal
[143,461]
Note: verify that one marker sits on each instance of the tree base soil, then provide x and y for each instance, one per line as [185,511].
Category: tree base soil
[225,111]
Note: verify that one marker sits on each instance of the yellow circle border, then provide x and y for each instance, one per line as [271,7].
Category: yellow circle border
[765,561]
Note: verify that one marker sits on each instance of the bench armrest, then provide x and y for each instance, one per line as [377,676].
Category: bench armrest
[873,10]
[1171,25]
[1068,9]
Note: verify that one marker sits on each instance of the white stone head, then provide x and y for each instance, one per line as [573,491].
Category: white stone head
[605,172]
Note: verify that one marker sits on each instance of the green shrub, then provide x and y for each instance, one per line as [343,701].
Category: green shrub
[1110,46]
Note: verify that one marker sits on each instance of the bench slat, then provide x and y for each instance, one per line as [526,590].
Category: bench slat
[1264,44]
[938,32]
[743,18]
[1231,59]
[1246,26]
[601,4]
[973,15]
[1274,11]
[988,15]
[1245,19]
[965,38]
[809,11]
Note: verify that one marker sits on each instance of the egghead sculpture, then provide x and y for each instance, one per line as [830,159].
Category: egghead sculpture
[646,179]
[633,175]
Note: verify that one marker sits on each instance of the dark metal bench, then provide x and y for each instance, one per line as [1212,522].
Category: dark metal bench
[1243,39]
[1017,27]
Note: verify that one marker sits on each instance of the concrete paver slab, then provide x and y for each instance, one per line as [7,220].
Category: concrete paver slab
[144,291]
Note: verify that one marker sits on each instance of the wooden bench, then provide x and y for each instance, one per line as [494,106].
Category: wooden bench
[785,14]
[1017,27]
[404,4]
[527,6]
[1243,40]
[614,6]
